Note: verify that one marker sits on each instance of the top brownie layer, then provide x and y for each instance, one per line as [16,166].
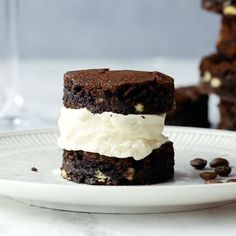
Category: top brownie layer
[226,7]
[189,93]
[119,91]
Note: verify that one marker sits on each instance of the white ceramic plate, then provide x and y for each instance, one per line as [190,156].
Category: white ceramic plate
[19,151]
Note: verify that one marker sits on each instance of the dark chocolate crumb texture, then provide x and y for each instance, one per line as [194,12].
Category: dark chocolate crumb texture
[226,7]
[124,91]
[218,75]
[92,168]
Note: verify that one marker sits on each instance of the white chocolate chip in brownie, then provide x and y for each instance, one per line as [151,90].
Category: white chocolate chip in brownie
[207,77]
[139,107]
[101,177]
[130,173]
[229,10]
[64,174]
[215,83]
[99,100]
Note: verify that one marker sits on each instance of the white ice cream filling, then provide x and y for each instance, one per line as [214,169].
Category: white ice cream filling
[111,134]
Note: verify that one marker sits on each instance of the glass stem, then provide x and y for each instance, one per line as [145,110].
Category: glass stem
[14,101]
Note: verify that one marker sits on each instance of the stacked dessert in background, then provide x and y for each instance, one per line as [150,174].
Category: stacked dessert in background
[111,127]
[191,108]
[218,71]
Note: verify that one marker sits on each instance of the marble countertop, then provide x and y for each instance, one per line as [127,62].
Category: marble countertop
[41,86]
[19,219]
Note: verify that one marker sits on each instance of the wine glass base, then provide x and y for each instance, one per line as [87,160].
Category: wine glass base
[24,122]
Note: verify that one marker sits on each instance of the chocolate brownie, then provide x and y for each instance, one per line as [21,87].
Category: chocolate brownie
[92,168]
[191,108]
[227,115]
[218,75]
[121,91]
[226,44]
[226,7]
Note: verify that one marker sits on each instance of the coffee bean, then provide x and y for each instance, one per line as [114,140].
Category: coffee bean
[198,163]
[208,175]
[223,170]
[219,162]
[231,180]
[213,181]
[34,169]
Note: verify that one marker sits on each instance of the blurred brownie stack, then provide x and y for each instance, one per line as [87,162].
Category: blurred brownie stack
[218,71]
[191,108]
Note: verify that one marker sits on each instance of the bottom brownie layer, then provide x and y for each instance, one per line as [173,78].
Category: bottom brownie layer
[92,168]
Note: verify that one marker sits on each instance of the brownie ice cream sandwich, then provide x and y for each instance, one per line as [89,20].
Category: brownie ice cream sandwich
[218,75]
[191,108]
[111,127]
[225,7]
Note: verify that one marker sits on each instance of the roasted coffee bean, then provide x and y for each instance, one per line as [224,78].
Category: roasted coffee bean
[198,163]
[223,170]
[34,169]
[231,180]
[219,162]
[208,175]
[213,181]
